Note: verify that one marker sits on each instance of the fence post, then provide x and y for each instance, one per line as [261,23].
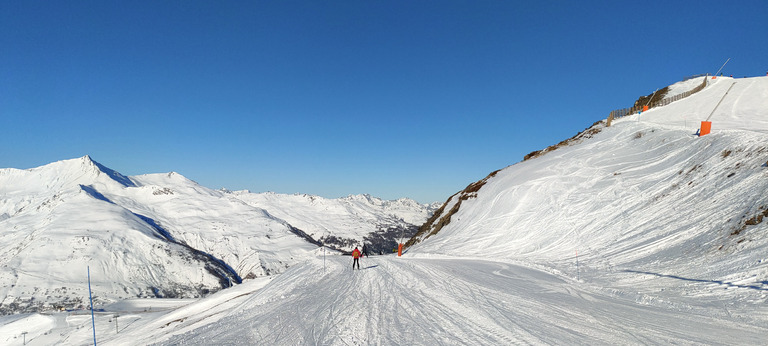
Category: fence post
[618,113]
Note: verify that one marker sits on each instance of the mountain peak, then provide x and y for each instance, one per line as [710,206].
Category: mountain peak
[72,173]
[112,174]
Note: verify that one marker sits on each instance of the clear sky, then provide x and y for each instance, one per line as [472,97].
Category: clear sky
[391,98]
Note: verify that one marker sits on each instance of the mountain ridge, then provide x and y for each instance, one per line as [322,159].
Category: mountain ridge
[337,223]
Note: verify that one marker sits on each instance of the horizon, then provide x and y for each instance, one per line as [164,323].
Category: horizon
[396,100]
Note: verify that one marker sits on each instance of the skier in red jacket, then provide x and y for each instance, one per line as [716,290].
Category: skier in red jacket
[356,258]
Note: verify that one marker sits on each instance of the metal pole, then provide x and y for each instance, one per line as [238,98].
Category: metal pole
[721,101]
[93,322]
[652,95]
[24,334]
[323,242]
[721,67]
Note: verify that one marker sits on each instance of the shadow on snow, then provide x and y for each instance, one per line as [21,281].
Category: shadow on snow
[760,286]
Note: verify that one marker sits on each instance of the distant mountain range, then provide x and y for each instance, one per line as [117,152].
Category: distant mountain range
[340,223]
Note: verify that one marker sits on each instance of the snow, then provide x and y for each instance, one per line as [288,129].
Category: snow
[427,301]
[141,236]
[643,233]
[684,86]
[413,300]
[149,235]
[744,108]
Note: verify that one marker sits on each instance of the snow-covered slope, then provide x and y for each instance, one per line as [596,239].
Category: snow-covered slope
[156,235]
[640,233]
[684,86]
[642,202]
[422,301]
[402,301]
[347,222]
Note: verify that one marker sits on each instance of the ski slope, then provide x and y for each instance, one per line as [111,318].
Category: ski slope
[643,205]
[397,301]
[428,301]
[643,233]
[745,107]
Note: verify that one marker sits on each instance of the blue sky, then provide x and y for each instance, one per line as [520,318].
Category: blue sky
[391,98]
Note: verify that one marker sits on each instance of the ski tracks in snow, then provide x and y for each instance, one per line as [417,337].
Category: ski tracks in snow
[428,301]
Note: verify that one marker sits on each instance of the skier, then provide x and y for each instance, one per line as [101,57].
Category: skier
[365,250]
[356,258]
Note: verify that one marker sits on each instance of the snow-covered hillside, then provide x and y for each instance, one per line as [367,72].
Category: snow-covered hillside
[155,235]
[642,205]
[344,223]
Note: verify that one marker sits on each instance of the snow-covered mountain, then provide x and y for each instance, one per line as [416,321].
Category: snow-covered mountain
[158,235]
[155,235]
[637,233]
[344,223]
